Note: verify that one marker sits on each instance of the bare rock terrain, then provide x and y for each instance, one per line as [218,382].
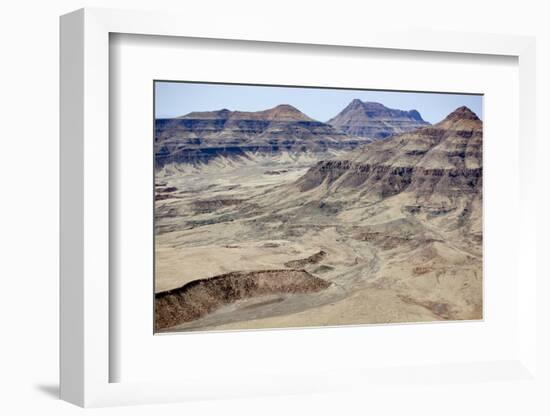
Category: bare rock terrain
[200,297]
[199,137]
[390,232]
[376,121]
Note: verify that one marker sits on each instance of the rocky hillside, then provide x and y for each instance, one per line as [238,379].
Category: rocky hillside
[201,136]
[443,161]
[375,121]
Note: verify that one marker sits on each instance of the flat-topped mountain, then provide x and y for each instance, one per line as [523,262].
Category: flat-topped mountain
[201,136]
[282,112]
[375,121]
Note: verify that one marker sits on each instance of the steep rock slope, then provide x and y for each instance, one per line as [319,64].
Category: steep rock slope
[376,121]
[445,158]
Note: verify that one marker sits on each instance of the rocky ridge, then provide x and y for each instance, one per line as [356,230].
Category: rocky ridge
[199,137]
[445,158]
[374,120]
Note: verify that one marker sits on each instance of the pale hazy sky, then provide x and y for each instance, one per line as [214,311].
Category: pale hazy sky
[173,99]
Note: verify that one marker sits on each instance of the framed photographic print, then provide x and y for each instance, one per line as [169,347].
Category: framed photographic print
[319,213]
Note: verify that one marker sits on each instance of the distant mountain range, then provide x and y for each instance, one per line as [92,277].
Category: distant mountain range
[199,137]
[376,121]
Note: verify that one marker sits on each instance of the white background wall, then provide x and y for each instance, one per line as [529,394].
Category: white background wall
[29,204]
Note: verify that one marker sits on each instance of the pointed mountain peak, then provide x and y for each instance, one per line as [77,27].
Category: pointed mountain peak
[461,117]
[355,103]
[285,112]
[462,113]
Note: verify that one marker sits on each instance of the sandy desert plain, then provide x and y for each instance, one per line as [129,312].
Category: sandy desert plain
[384,231]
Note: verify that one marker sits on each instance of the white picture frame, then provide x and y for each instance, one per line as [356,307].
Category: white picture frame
[85,207]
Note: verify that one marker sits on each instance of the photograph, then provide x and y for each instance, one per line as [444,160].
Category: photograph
[295,207]
[235,208]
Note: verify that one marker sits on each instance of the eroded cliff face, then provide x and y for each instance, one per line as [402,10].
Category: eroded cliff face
[375,121]
[386,180]
[201,297]
[444,159]
[202,136]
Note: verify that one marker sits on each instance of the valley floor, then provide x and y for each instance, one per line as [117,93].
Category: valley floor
[382,262]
